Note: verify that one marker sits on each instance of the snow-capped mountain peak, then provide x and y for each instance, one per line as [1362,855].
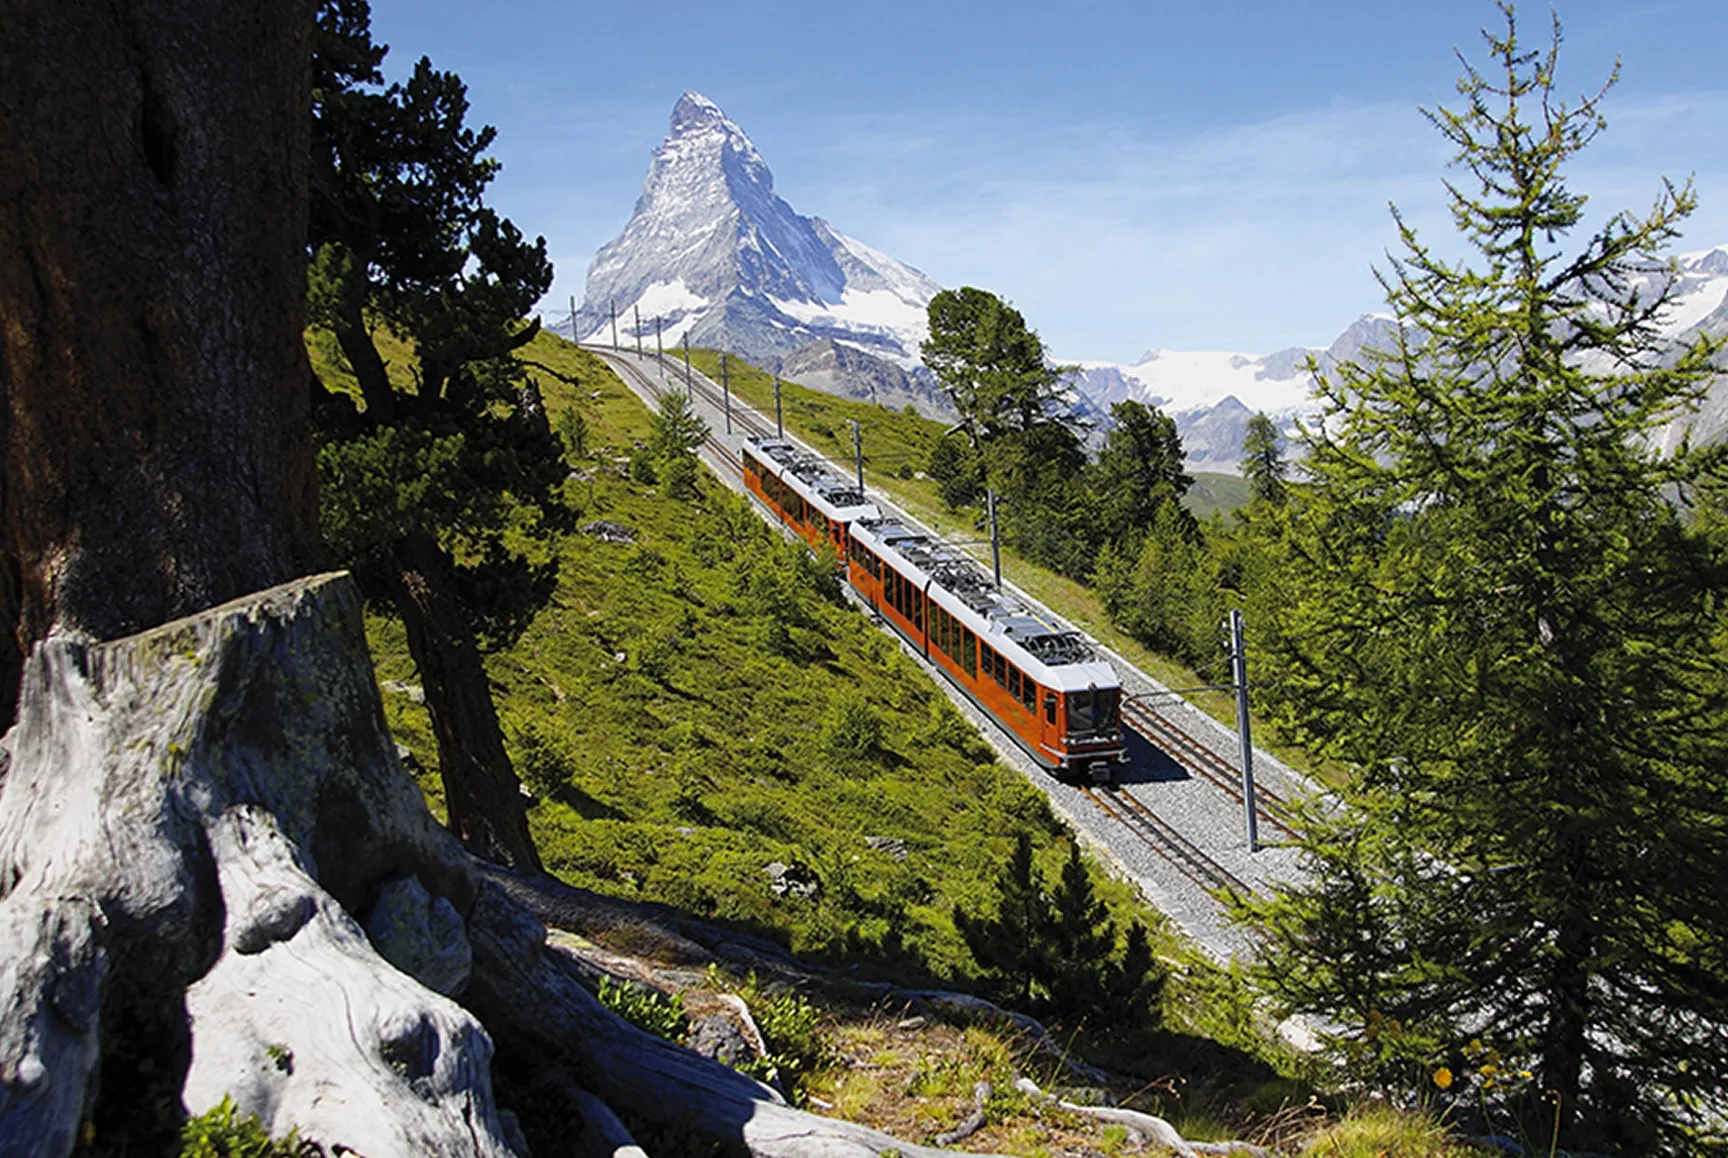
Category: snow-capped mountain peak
[713,252]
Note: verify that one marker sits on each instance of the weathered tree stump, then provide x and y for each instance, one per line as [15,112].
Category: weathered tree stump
[198,827]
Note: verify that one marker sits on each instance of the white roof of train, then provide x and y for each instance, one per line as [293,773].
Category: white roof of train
[1053,656]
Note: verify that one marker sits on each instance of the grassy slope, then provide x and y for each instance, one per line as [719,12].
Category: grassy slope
[675,755]
[897,443]
[674,758]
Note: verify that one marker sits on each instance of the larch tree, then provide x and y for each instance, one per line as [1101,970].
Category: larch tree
[156,458]
[434,486]
[1263,464]
[1502,623]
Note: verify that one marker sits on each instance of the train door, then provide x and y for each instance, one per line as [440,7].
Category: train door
[1050,720]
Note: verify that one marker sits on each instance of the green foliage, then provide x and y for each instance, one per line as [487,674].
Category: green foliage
[1055,947]
[1504,625]
[791,1030]
[676,435]
[1263,462]
[852,729]
[572,431]
[222,1133]
[1162,586]
[647,1009]
[1138,473]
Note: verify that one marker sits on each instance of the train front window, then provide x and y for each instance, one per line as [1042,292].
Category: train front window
[1093,712]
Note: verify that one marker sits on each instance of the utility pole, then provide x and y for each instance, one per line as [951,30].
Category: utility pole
[725,392]
[858,453]
[614,305]
[572,317]
[995,539]
[1239,674]
[659,350]
[637,309]
[687,382]
[779,425]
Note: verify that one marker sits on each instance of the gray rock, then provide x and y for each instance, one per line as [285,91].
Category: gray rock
[891,846]
[716,1036]
[421,935]
[791,880]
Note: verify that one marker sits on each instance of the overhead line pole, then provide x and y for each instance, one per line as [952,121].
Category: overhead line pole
[638,312]
[613,303]
[573,334]
[725,392]
[687,382]
[858,453]
[995,539]
[779,425]
[1239,675]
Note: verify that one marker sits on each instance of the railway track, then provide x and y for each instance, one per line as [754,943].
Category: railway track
[1183,854]
[1207,764]
[720,450]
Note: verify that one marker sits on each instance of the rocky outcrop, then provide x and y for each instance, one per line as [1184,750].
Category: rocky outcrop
[216,880]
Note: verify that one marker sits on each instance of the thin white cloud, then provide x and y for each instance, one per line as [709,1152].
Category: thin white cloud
[1115,235]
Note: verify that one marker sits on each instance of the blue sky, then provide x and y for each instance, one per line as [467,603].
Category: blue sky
[1208,175]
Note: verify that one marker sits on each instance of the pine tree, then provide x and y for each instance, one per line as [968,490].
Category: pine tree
[1263,462]
[1081,937]
[1503,624]
[430,492]
[1139,470]
[1010,946]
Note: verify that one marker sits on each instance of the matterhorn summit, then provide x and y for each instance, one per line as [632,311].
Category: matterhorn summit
[712,252]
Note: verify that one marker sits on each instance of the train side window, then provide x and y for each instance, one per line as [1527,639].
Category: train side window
[1050,707]
[969,651]
[1014,682]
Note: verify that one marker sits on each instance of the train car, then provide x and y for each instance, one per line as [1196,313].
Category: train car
[1043,684]
[809,498]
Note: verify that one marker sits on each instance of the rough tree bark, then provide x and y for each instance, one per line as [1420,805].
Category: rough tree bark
[155,456]
[482,797]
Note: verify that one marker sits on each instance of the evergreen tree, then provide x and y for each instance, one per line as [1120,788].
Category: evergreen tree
[1139,469]
[675,435]
[1010,944]
[430,492]
[1082,938]
[1024,439]
[1263,462]
[1504,625]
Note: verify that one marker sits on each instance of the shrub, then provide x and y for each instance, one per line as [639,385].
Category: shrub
[222,1133]
[852,728]
[645,1008]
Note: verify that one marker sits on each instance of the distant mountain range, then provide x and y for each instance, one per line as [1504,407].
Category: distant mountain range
[711,251]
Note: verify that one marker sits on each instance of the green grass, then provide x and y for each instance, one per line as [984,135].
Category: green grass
[1216,494]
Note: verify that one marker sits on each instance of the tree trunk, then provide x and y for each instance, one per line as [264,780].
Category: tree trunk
[155,454]
[482,797]
[364,360]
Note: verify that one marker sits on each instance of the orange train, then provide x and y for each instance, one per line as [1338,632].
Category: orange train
[1044,685]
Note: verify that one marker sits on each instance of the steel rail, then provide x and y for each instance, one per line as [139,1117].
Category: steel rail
[1196,757]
